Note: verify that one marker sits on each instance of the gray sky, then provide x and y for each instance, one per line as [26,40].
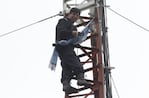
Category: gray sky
[25,54]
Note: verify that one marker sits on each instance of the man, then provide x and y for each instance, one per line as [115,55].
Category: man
[71,65]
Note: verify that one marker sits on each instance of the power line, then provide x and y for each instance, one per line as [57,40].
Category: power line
[59,14]
[128,19]
[115,87]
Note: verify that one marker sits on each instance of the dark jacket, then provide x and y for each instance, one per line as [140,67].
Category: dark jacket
[70,62]
[64,29]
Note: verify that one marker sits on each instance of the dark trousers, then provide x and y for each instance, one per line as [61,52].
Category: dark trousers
[70,62]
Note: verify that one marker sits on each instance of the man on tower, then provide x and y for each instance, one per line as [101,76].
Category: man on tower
[71,65]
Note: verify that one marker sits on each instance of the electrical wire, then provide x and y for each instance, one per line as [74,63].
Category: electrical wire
[112,80]
[59,14]
[128,19]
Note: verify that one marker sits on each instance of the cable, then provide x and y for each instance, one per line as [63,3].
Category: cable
[115,86]
[59,14]
[128,19]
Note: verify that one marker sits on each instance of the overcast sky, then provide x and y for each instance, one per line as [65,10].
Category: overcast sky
[25,54]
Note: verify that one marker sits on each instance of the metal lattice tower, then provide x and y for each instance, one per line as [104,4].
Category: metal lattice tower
[94,56]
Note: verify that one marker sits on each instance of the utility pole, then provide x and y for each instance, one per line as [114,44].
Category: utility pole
[94,56]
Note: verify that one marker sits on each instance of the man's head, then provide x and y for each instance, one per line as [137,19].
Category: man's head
[74,14]
[75,10]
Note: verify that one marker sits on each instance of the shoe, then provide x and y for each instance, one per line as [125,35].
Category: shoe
[69,89]
[83,82]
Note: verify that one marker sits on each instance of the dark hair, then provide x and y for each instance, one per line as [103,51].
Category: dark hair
[75,10]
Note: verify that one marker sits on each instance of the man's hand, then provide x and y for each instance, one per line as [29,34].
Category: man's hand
[75,33]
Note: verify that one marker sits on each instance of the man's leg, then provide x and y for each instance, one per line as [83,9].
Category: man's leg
[66,70]
[66,78]
[78,71]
